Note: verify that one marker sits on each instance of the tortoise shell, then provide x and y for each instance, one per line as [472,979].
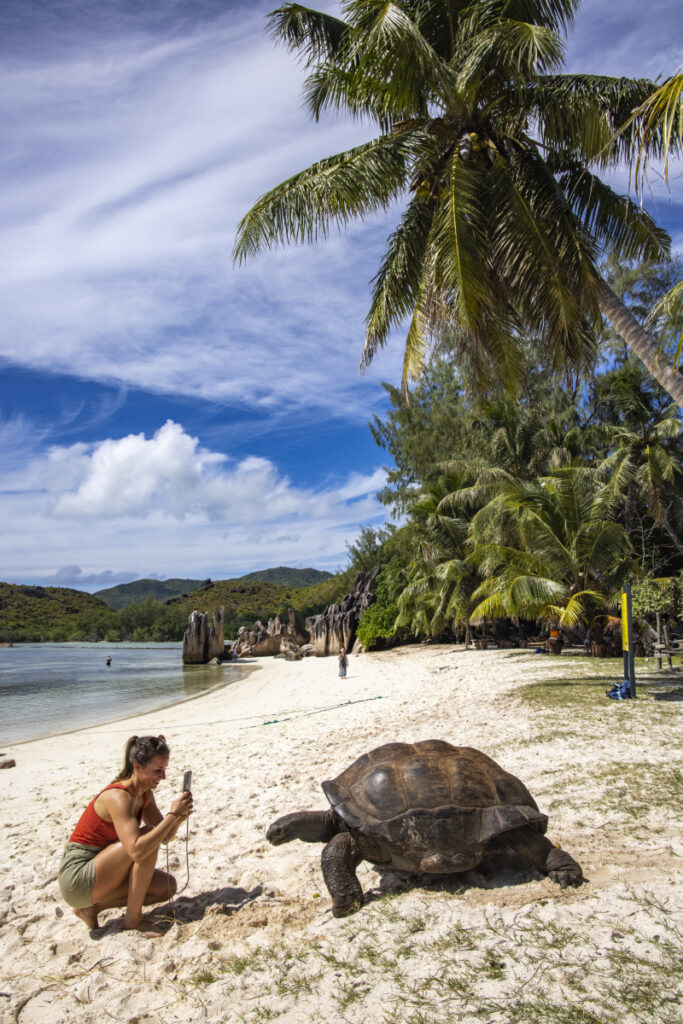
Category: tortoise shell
[440,803]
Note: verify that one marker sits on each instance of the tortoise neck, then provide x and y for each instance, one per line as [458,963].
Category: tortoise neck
[329,825]
[316,826]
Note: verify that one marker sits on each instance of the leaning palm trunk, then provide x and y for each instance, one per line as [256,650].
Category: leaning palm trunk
[638,339]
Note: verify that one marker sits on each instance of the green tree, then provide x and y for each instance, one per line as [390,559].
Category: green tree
[424,431]
[377,626]
[495,152]
[644,461]
[563,555]
[440,584]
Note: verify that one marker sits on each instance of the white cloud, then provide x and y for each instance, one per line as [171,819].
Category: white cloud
[164,504]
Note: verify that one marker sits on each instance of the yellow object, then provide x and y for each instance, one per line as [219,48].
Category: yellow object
[624,622]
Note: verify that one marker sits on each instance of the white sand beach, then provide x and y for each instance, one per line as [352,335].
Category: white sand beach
[252,937]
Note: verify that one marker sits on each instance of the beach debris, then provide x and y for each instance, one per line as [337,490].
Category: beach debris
[8,763]
[426,806]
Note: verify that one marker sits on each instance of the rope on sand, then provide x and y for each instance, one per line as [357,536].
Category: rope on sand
[316,711]
[294,713]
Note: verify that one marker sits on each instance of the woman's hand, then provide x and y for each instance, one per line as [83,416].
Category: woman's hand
[182,806]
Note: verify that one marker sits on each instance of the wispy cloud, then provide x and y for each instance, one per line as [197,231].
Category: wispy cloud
[126,173]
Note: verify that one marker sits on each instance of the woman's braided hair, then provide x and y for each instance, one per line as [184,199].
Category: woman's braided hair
[141,749]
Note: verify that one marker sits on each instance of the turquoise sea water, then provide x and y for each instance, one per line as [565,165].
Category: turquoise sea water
[51,688]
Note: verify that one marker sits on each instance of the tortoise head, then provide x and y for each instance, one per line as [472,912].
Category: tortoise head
[284,829]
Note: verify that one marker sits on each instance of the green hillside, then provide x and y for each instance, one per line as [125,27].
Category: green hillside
[290,577]
[137,591]
[58,614]
[48,613]
[245,600]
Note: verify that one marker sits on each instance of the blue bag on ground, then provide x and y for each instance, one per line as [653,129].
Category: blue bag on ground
[620,691]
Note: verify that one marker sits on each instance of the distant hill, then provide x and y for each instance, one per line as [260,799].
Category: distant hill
[246,600]
[290,577]
[56,613]
[47,613]
[140,590]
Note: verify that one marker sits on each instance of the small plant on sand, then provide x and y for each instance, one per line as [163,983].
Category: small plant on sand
[204,977]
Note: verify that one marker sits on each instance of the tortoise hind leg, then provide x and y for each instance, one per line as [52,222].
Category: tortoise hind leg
[551,860]
[340,858]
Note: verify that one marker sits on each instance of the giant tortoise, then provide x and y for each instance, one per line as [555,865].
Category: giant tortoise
[426,806]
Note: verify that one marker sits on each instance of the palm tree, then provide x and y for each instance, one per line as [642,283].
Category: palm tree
[493,152]
[658,123]
[440,580]
[561,557]
[645,454]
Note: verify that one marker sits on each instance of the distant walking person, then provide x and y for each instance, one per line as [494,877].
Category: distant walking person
[343,662]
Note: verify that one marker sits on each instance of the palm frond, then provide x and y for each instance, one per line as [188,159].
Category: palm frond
[517,50]
[396,285]
[615,220]
[314,34]
[658,125]
[580,115]
[461,242]
[542,255]
[361,180]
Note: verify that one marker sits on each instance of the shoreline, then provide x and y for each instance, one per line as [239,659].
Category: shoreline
[247,669]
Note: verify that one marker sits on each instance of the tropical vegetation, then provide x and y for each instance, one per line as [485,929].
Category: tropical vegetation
[495,155]
[534,509]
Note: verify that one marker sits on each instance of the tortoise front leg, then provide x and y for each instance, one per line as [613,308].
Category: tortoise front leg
[551,860]
[340,859]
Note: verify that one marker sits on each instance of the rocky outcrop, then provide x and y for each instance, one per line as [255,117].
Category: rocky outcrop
[203,639]
[323,634]
[335,627]
[275,638]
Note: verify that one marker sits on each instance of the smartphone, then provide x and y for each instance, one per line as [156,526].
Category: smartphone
[187,782]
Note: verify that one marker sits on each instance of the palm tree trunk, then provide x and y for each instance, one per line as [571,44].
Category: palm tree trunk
[639,341]
[672,533]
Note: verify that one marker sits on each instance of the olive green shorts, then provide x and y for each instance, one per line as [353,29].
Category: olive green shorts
[77,874]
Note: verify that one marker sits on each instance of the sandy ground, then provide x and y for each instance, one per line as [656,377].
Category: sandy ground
[252,937]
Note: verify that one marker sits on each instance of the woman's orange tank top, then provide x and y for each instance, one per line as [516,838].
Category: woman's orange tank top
[92,830]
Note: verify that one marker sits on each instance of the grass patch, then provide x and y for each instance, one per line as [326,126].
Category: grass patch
[583,694]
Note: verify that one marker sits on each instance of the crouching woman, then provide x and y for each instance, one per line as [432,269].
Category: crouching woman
[110,859]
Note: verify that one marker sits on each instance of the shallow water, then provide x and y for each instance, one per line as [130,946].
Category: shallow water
[51,688]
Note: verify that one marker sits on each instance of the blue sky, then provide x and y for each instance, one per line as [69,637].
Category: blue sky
[163,413]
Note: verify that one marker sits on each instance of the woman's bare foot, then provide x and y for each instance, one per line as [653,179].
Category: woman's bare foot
[89,916]
[148,928]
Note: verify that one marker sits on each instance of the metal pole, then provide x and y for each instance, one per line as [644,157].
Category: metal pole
[631,654]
